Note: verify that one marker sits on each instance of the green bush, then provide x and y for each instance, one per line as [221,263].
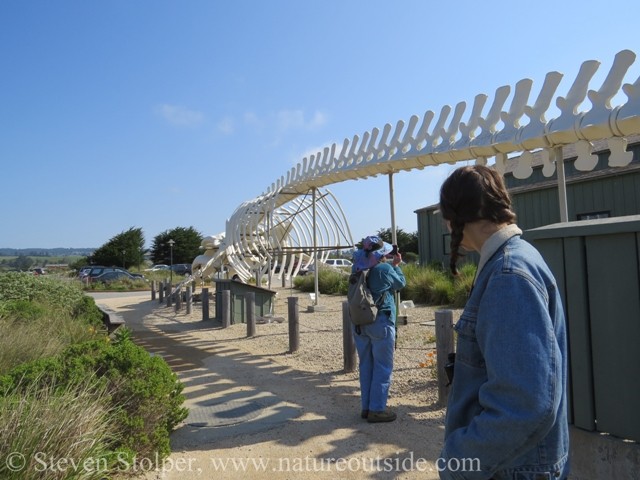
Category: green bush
[431,285]
[24,340]
[143,391]
[434,286]
[422,283]
[124,285]
[40,317]
[39,289]
[330,281]
[463,283]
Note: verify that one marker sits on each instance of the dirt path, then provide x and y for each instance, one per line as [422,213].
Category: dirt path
[258,412]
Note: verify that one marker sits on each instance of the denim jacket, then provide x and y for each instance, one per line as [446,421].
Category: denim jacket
[384,279]
[507,406]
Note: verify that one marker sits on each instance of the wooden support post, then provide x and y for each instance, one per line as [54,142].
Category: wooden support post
[250,306]
[168,293]
[348,343]
[178,299]
[204,296]
[226,308]
[161,292]
[294,324]
[153,290]
[444,346]
[189,300]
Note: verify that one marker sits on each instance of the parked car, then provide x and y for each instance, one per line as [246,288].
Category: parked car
[181,268]
[114,276]
[155,268]
[339,262]
[93,272]
[39,271]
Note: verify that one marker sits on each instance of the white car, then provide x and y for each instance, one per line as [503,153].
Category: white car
[338,262]
[155,268]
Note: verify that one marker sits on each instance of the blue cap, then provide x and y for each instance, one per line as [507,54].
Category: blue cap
[372,251]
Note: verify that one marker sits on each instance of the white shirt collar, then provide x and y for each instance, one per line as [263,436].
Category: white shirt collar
[494,242]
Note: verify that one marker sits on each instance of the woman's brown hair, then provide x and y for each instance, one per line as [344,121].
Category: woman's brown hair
[470,194]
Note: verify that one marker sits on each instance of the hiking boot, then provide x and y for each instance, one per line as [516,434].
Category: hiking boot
[364,414]
[385,416]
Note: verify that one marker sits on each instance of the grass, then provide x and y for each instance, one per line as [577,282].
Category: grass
[330,281]
[429,285]
[41,332]
[52,434]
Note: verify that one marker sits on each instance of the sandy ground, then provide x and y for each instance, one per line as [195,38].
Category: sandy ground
[282,415]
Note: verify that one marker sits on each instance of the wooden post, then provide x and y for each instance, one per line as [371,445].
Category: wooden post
[189,301]
[168,293]
[178,299]
[294,324]
[250,301]
[226,308]
[444,346]
[205,304]
[153,290]
[348,343]
[161,292]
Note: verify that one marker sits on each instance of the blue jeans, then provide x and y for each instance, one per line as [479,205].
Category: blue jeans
[375,345]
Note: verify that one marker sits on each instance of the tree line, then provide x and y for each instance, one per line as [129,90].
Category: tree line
[127,249]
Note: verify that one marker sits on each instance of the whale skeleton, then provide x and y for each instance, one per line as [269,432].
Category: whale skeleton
[276,224]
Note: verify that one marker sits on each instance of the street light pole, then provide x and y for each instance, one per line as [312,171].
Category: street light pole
[171,243]
[123,266]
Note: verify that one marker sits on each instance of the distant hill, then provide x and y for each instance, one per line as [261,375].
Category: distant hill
[45,252]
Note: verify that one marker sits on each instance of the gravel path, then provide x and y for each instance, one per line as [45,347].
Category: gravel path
[320,401]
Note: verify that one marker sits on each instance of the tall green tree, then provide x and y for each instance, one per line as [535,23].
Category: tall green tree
[407,242]
[124,250]
[23,262]
[186,246]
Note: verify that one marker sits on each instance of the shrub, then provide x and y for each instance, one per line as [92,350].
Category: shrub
[42,290]
[463,283]
[45,425]
[441,291]
[435,286]
[41,317]
[25,340]
[124,285]
[422,283]
[142,389]
[330,281]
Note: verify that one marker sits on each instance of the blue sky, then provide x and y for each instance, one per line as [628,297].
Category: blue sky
[159,114]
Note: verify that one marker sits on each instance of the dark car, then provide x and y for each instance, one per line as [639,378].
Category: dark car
[181,268]
[114,276]
[89,275]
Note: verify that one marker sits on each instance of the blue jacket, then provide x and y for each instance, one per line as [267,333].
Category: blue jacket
[385,279]
[507,407]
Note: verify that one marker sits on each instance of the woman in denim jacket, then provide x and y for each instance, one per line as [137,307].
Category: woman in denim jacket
[507,409]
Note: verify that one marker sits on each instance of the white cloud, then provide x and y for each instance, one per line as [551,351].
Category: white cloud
[287,120]
[226,126]
[250,118]
[310,151]
[180,116]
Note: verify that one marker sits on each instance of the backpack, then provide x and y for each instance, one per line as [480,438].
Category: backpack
[360,300]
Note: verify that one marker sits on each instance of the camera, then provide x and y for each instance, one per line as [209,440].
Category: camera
[393,252]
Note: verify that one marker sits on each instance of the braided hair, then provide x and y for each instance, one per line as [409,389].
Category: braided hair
[470,194]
